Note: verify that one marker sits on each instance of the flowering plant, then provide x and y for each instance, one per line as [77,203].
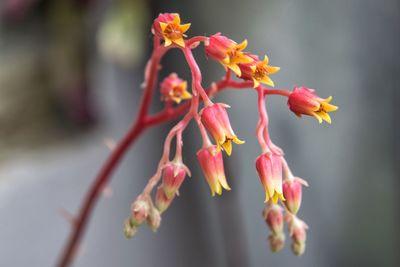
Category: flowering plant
[283,191]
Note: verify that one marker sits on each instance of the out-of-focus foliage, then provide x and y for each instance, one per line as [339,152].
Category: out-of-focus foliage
[121,37]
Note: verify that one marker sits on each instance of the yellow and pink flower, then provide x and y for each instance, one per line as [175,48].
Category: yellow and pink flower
[303,101]
[269,168]
[168,27]
[258,71]
[227,52]
[212,165]
[215,119]
[174,89]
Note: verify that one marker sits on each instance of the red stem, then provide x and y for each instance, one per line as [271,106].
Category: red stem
[105,173]
[93,194]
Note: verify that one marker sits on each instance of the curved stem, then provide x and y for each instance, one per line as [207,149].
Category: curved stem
[94,193]
[262,123]
[196,76]
[105,173]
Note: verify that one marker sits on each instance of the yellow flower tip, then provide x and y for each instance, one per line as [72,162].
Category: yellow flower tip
[185,27]
[272,69]
[177,18]
[176,99]
[255,83]
[266,60]
[179,42]
[235,68]
[227,146]
[167,42]
[267,80]
[163,26]
[238,141]
[315,115]
[266,197]
[276,196]
[242,45]
[325,116]
[329,107]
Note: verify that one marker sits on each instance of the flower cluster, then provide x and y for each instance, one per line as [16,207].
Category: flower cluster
[283,191]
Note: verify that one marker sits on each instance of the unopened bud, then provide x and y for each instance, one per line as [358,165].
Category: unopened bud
[298,248]
[273,215]
[162,201]
[140,210]
[129,229]
[292,192]
[154,219]
[297,229]
[173,176]
[276,242]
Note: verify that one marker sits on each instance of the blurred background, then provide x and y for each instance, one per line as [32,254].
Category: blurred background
[70,75]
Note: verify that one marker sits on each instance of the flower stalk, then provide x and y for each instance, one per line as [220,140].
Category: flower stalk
[180,102]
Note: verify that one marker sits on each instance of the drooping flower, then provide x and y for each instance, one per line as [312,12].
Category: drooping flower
[215,119]
[303,101]
[273,216]
[174,88]
[269,168]
[227,52]
[292,191]
[212,165]
[139,211]
[297,230]
[258,71]
[172,178]
[168,26]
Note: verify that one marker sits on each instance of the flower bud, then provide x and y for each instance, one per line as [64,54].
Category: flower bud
[139,211]
[292,193]
[216,121]
[154,219]
[297,230]
[276,241]
[168,26]
[273,215]
[129,229]
[269,168]
[212,165]
[298,248]
[162,201]
[173,177]
[174,88]
[227,52]
[303,101]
